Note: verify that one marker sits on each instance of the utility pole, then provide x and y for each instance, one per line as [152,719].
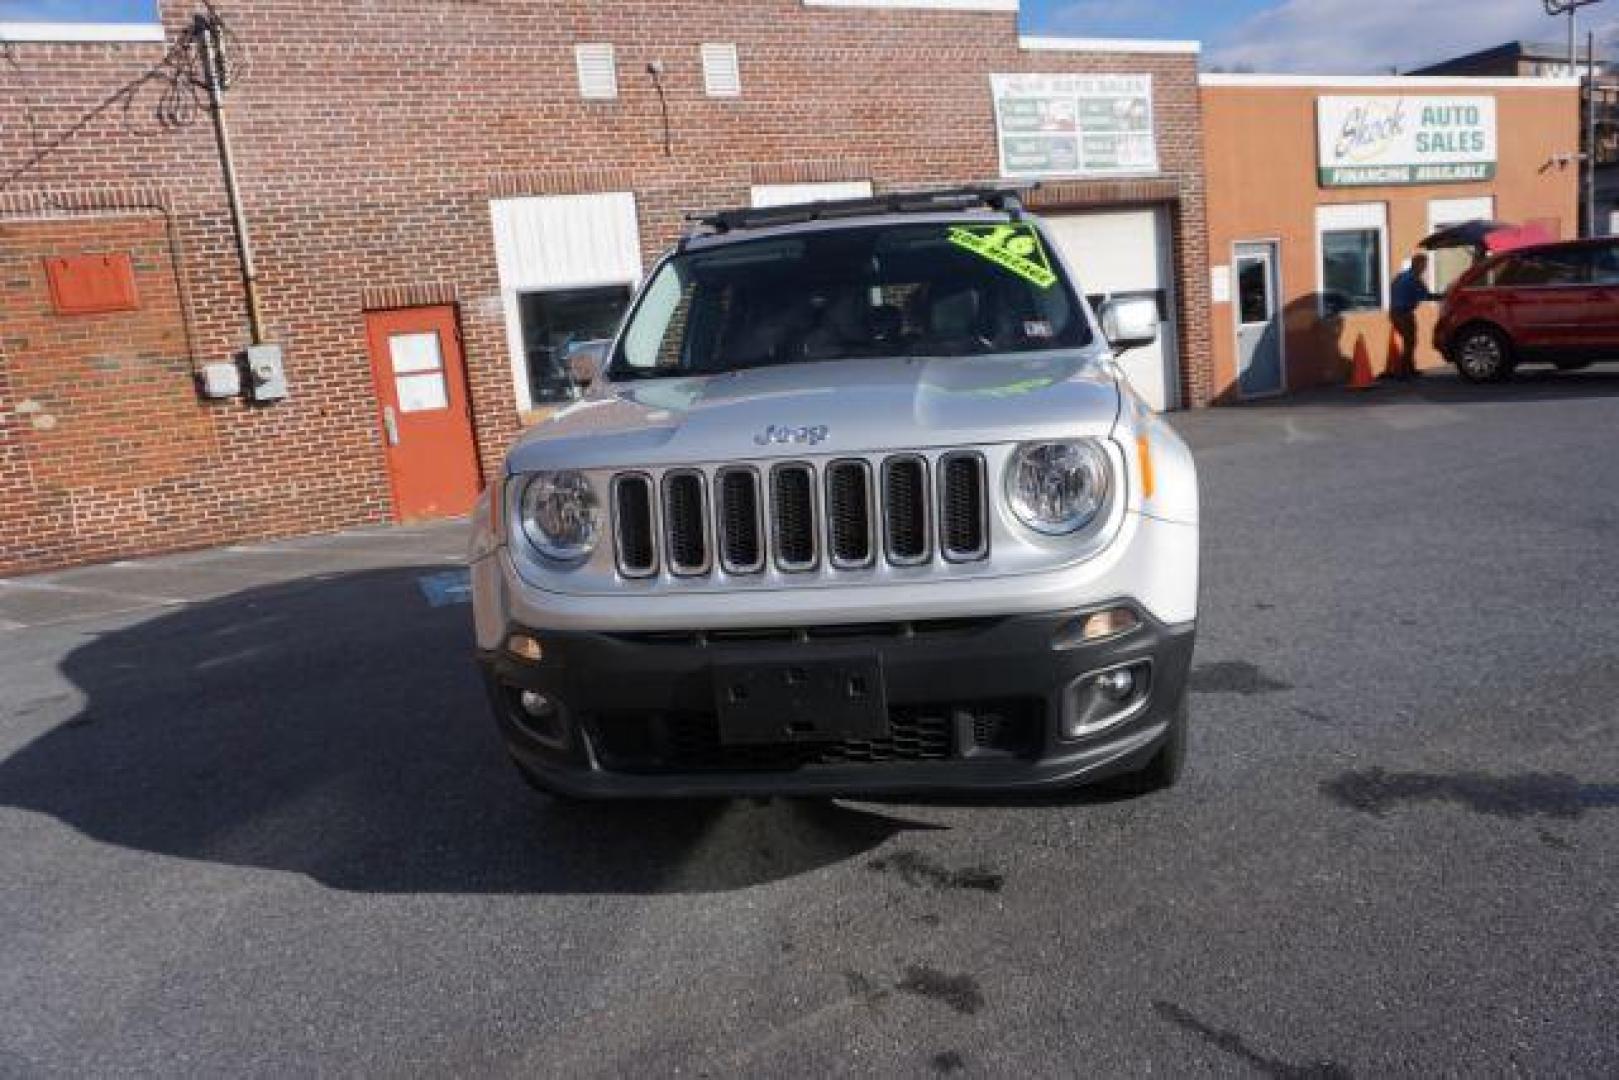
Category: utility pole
[1571,8]
[1591,135]
[207,34]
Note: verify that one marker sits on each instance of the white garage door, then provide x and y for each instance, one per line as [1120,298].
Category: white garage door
[1127,253]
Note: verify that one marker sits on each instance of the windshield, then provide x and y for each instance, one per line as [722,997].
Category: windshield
[879,291]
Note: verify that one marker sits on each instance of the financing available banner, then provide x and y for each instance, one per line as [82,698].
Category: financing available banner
[1074,125]
[1405,140]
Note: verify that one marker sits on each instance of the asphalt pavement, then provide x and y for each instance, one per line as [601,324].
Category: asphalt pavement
[254,818]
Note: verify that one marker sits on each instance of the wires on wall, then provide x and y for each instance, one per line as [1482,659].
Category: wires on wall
[180,76]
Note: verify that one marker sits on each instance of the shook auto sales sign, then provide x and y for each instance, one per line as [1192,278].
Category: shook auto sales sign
[1405,140]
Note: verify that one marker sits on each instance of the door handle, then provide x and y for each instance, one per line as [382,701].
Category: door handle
[390,424]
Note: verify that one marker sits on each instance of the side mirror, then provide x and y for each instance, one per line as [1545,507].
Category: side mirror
[1130,323]
[586,361]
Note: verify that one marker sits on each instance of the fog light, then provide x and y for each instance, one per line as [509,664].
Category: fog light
[1116,685]
[1106,624]
[535,704]
[525,647]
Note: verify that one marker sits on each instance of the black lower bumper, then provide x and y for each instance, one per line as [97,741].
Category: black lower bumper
[976,705]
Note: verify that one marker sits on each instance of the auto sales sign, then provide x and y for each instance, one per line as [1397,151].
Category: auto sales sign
[1405,140]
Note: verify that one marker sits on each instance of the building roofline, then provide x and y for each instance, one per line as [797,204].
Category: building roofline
[932,5]
[1046,43]
[50,32]
[1388,82]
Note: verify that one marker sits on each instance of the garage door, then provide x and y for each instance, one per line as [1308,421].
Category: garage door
[1127,253]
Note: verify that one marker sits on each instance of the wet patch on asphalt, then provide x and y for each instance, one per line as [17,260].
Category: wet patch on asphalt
[1234,677]
[1237,1047]
[1555,795]
[917,870]
[960,992]
[947,1062]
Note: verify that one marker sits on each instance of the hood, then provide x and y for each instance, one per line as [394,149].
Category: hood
[849,406]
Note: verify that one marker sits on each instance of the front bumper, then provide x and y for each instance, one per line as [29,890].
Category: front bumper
[975,705]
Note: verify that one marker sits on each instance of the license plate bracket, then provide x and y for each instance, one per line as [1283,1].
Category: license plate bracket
[803,701]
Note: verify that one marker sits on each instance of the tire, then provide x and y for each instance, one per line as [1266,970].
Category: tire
[1483,355]
[542,787]
[1167,765]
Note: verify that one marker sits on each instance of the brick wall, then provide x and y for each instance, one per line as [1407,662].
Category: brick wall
[370,136]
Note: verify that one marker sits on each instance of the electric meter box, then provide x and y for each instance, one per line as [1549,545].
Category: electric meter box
[221,380]
[266,378]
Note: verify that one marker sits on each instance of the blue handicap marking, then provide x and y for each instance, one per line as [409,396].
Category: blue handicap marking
[450,587]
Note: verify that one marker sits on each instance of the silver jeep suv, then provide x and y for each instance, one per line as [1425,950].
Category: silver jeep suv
[856,502]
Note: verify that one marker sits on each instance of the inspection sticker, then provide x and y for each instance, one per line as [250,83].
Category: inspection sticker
[1013,247]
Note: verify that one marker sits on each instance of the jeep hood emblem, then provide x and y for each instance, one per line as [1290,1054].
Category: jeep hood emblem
[777,434]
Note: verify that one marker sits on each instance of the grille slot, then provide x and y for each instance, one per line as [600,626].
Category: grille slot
[792,516]
[963,508]
[685,522]
[906,524]
[634,531]
[848,514]
[741,531]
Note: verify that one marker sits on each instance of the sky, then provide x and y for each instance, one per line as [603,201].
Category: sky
[1317,36]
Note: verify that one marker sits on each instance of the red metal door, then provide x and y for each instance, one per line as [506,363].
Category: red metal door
[422,409]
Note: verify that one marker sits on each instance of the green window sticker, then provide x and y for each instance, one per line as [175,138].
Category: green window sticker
[1016,248]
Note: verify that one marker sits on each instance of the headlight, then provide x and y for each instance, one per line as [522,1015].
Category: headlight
[561,515]
[1057,487]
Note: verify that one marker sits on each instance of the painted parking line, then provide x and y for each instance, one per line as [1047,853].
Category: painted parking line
[450,587]
[88,590]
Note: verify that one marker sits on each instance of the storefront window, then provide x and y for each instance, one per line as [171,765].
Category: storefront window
[554,322]
[1351,270]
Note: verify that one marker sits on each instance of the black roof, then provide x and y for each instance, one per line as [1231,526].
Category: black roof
[1008,200]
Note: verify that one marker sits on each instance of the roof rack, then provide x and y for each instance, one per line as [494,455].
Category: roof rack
[1007,200]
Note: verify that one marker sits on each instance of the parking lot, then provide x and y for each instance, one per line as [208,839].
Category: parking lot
[254,817]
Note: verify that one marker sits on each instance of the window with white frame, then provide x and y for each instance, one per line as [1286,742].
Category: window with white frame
[1352,241]
[722,72]
[1448,264]
[598,70]
[568,266]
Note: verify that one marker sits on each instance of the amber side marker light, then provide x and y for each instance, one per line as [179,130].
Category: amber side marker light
[1096,626]
[1144,451]
[525,647]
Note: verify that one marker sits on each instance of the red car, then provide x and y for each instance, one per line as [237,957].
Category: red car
[1551,303]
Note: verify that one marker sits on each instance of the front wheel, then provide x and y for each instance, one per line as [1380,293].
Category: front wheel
[1167,765]
[1483,355]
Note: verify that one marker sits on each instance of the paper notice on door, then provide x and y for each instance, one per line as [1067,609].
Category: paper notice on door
[1220,285]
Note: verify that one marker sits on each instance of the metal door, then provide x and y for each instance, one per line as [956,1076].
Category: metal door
[1257,310]
[423,411]
[1120,254]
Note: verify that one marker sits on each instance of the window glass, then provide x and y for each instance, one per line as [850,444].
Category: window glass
[1542,268]
[875,291]
[557,320]
[1352,270]
[1449,264]
[1605,266]
[1253,291]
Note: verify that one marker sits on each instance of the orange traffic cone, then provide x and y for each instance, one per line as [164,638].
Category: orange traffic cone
[1396,367]
[1360,372]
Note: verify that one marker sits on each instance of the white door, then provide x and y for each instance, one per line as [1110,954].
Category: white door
[1127,253]
[1448,264]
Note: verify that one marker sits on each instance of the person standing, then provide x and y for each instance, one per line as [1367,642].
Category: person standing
[1407,292]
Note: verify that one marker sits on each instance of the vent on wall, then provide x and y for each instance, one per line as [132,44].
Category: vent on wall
[598,71]
[722,75]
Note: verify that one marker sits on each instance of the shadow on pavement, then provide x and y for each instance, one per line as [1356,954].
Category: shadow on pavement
[337,728]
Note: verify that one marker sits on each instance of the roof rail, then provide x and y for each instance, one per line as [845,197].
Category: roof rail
[1007,200]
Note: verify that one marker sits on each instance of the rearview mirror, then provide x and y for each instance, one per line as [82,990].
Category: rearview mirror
[586,360]
[1130,323]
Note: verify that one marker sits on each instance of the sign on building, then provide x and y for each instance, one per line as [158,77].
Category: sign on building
[1074,125]
[1405,140]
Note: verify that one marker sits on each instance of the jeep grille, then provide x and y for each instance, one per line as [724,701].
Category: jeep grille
[904,509]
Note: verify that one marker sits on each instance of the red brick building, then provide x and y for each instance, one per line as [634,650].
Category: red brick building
[423,180]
